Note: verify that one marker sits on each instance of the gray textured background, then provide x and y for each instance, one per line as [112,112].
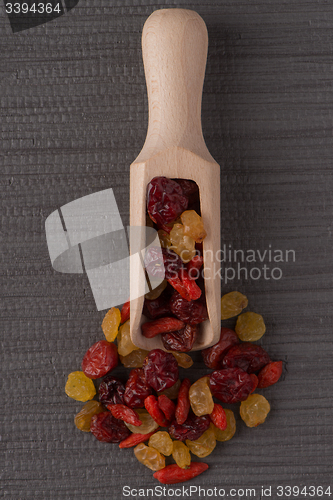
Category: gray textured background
[73,118]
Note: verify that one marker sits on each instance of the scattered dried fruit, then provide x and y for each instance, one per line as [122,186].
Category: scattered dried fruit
[193,312]
[250,326]
[136,389]
[111,390]
[100,359]
[161,370]
[193,225]
[122,412]
[111,324]
[249,357]
[192,428]
[181,454]
[125,312]
[231,385]
[135,439]
[149,457]
[148,424]
[181,340]
[213,356]
[107,428]
[152,407]
[161,325]
[83,418]
[232,304]
[218,417]
[125,344]
[270,374]
[172,474]
[230,430]
[162,442]
[80,387]
[167,406]
[201,398]
[134,359]
[254,410]
[204,445]
[183,360]
[183,403]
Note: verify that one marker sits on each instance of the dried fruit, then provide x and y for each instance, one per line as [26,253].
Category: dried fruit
[125,312]
[135,439]
[181,340]
[270,374]
[250,326]
[255,381]
[172,392]
[111,390]
[122,412]
[161,325]
[165,201]
[83,418]
[125,344]
[230,430]
[136,389]
[218,417]
[213,356]
[167,406]
[162,442]
[183,245]
[249,357]
[183,403]
[164,238]
[134,359]
[173,474]
[204,445]
[161,370]
[161,263]
[232,304]
[230,385]
[183,360]
[148,423]
[190,189]
[107,428]
[181,454]
[151,405]
[156,292]
[193,267]
[156,308]
[111,324]
[194,292]
[254,410]
[192,428]
[201,398]
[80,387]
[149,457]
[100,359]
[193,312]
[193,225]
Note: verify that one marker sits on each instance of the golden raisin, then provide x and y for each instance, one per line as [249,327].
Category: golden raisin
[204,445]
[232,304]
[111,324]
[172,392]
[125,344]
[182,245]
[193,225]
[164,238]
[148,423]
[154,294]
[83,418]
[149,457]
[254,410]
[162,442]
[201,398]
[183,360]
[229,432]
[250,326]
[181,454]
[80,387]
[134,359]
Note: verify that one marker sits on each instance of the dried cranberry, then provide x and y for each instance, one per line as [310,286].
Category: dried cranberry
[108,429]
[191,429]
[111,390]
[193,312]
[213,356]
[181,340]
[249,357]
[193,267]
[189,187]
[230,385]
[270,374]
[165,201]
[136,389]
[156,308]
[101,358]
[162,262]
[161,370]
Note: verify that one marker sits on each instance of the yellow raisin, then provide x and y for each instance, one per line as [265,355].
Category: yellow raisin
[232,304]
[83,418]
[201,398]
[204,445]
[254,410]
[125,344]
[80,387]
[250,326]
[193,225]
[172,392]
[148,423]
[149,457]
[111,324]
[154,294]
[164,238]
[183,360]
[162,442]
[181,454]
[229,432]
[182,245]
[134,359]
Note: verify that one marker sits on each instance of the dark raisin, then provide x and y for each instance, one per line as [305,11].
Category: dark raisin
[156,308]
[161,370]
[191,429]
[181,340]
[165,201]
[230,385]
[161,263]
[213,356]
[249,357]
[111,390]
[136,389]
[108,429]
[192,312]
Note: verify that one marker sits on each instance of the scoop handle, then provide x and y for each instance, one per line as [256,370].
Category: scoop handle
[174,47]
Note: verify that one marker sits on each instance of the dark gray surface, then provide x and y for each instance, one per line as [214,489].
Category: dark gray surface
[73,118]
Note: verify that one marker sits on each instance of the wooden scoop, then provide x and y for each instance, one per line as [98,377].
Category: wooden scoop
[174,46]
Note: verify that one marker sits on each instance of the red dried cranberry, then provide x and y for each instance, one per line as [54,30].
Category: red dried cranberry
[213,356]
[111,391]
[230,385]
[162,262]
[193,312]
[101,358]
[270,374]
[161,370]
[165,201]
[191,429]
[136,389]
[108,429]
[156,308]
[181,340]
[249,357]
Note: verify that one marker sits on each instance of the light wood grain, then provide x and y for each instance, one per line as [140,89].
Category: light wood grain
[174,43]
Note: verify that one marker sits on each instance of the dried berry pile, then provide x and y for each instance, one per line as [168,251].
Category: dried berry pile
[160,415]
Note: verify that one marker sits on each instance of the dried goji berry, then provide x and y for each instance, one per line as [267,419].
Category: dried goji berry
[213,356]
[249,357]
[125,312]
[190,285]
[136,389]
[161,370]
[135,439]
[161,325]
[167,406]
[100,358]
[107,428]
[152,407]
[183,403]
[122,412]
[270,374]
[255,381]
[178,285]
[172,474]
[218,417]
